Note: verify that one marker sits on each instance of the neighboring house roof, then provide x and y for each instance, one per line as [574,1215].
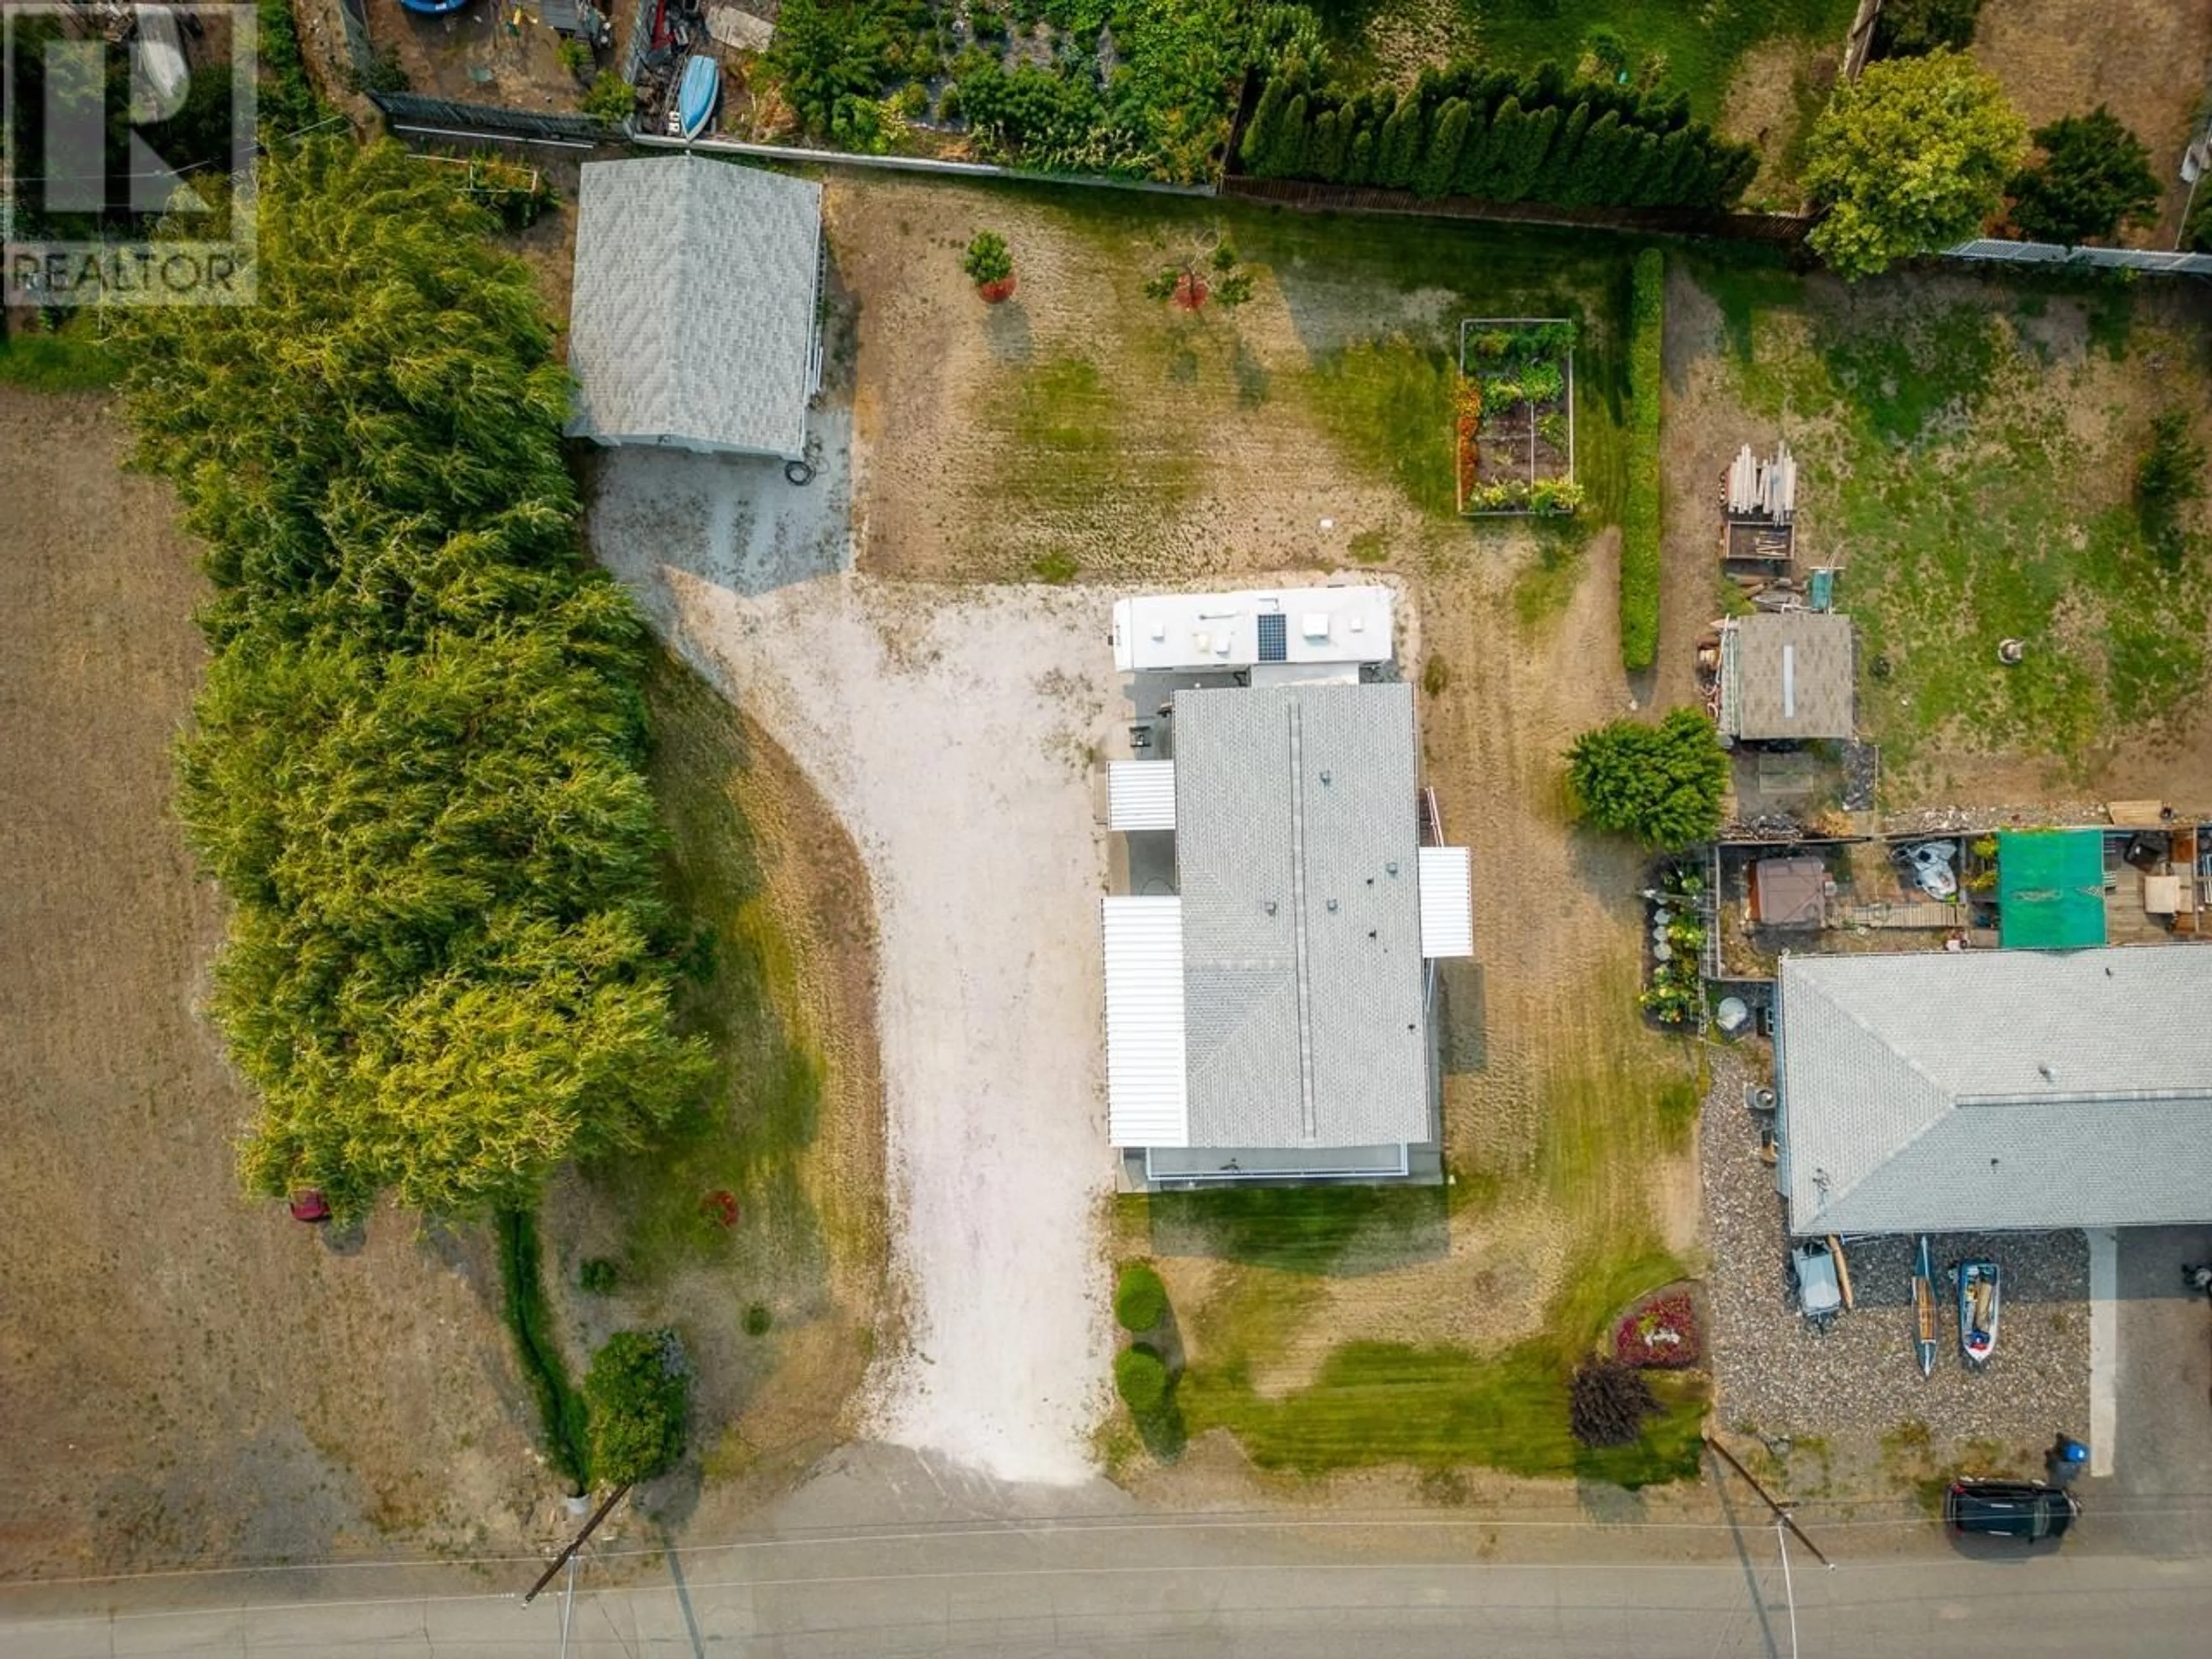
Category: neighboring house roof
[1786,674]
[693,317]
[1969,1090]
[1296,853]
[2050,888]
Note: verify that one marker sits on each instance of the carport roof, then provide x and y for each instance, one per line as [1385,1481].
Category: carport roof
[1993,1089]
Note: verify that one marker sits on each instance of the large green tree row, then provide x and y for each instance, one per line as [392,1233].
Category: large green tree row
[417,764]
[1495,136]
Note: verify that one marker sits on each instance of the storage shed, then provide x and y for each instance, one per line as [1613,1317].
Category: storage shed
[692,322]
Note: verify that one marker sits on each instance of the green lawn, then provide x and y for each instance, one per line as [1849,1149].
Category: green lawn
[1574,1175]
[1975,477]
[70,360]
[1098,438]
[761,1114]
[1434,1406]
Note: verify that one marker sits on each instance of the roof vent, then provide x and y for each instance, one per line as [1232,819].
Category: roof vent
[2049,1076]
[1331,905]
[1314,625]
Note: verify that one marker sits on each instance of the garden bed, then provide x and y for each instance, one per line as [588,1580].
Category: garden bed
[1514,416]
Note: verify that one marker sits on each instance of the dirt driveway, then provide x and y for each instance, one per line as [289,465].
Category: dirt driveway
[185,1376]
[952,731]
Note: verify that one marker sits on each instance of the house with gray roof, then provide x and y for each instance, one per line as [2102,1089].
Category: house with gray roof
[1268,1007]
[693,319]
[1981,1090]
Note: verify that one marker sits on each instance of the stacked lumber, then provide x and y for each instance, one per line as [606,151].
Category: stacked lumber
[1762,488]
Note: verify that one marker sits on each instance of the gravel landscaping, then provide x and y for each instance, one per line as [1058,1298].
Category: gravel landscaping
[1858,1388]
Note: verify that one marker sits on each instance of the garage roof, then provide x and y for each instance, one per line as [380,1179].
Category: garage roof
[693,317]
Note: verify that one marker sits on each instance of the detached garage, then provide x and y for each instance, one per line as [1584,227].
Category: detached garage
[692,322]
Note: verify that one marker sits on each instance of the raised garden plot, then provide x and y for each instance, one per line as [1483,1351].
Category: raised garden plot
[1514,416]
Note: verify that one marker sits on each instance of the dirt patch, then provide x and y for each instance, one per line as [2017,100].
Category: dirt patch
[1078,428]
[2145,58]
[1777,90]
[476,56]
[185,1376]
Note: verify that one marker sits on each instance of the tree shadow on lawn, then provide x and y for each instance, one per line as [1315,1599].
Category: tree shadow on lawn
[1340,1231]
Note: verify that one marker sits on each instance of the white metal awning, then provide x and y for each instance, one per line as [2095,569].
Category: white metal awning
[1140,795]
[1147,1099]
[1447,902]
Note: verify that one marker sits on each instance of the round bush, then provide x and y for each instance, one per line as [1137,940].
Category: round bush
[598,1276]
[1140,1375]
[1140,1301]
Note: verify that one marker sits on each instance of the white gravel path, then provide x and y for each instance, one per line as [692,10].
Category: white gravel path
[951,730]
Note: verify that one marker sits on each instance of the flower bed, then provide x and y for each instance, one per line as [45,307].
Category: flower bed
[1659,1330]
[1675,929]
[1514,416]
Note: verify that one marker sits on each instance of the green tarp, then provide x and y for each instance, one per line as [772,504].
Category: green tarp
[2050,888]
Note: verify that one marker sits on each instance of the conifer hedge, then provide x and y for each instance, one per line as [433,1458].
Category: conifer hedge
[1497,136]
[417,765]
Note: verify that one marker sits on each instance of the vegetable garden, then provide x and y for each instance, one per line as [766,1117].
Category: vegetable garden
[1514,416]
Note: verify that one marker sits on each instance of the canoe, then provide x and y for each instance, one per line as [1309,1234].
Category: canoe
[695,94]
[1978,1285]
[1924,1311]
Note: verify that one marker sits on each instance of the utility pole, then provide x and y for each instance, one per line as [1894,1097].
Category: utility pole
[592,1526]
[1781,1514]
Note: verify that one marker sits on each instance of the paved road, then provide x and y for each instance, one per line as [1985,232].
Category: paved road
[1186,1589]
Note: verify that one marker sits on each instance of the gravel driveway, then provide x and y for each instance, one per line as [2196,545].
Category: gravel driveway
[953,732]
[1774,1376]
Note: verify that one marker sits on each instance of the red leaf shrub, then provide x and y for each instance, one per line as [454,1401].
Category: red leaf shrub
[1659,1330]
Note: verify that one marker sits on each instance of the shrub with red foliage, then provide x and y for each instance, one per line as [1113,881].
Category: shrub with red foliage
[1659,1330]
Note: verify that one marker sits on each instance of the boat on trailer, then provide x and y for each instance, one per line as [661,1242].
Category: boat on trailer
[695,94]
[1978,1292]
[1924,1311]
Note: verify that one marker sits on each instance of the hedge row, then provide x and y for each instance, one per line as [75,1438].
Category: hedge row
[1497,137]
[1639,518]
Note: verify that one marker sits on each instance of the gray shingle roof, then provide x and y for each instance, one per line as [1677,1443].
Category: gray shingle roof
[1304,1023]
[1816,701]
[1997,1089]
[693,317]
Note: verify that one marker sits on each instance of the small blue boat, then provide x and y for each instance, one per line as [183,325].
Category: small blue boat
[695,94]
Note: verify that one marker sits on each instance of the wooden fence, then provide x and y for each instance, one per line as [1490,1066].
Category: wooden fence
[413,111]
[1778,229]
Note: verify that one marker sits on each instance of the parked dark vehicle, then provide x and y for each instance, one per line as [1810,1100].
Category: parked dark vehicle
[2025,1510]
